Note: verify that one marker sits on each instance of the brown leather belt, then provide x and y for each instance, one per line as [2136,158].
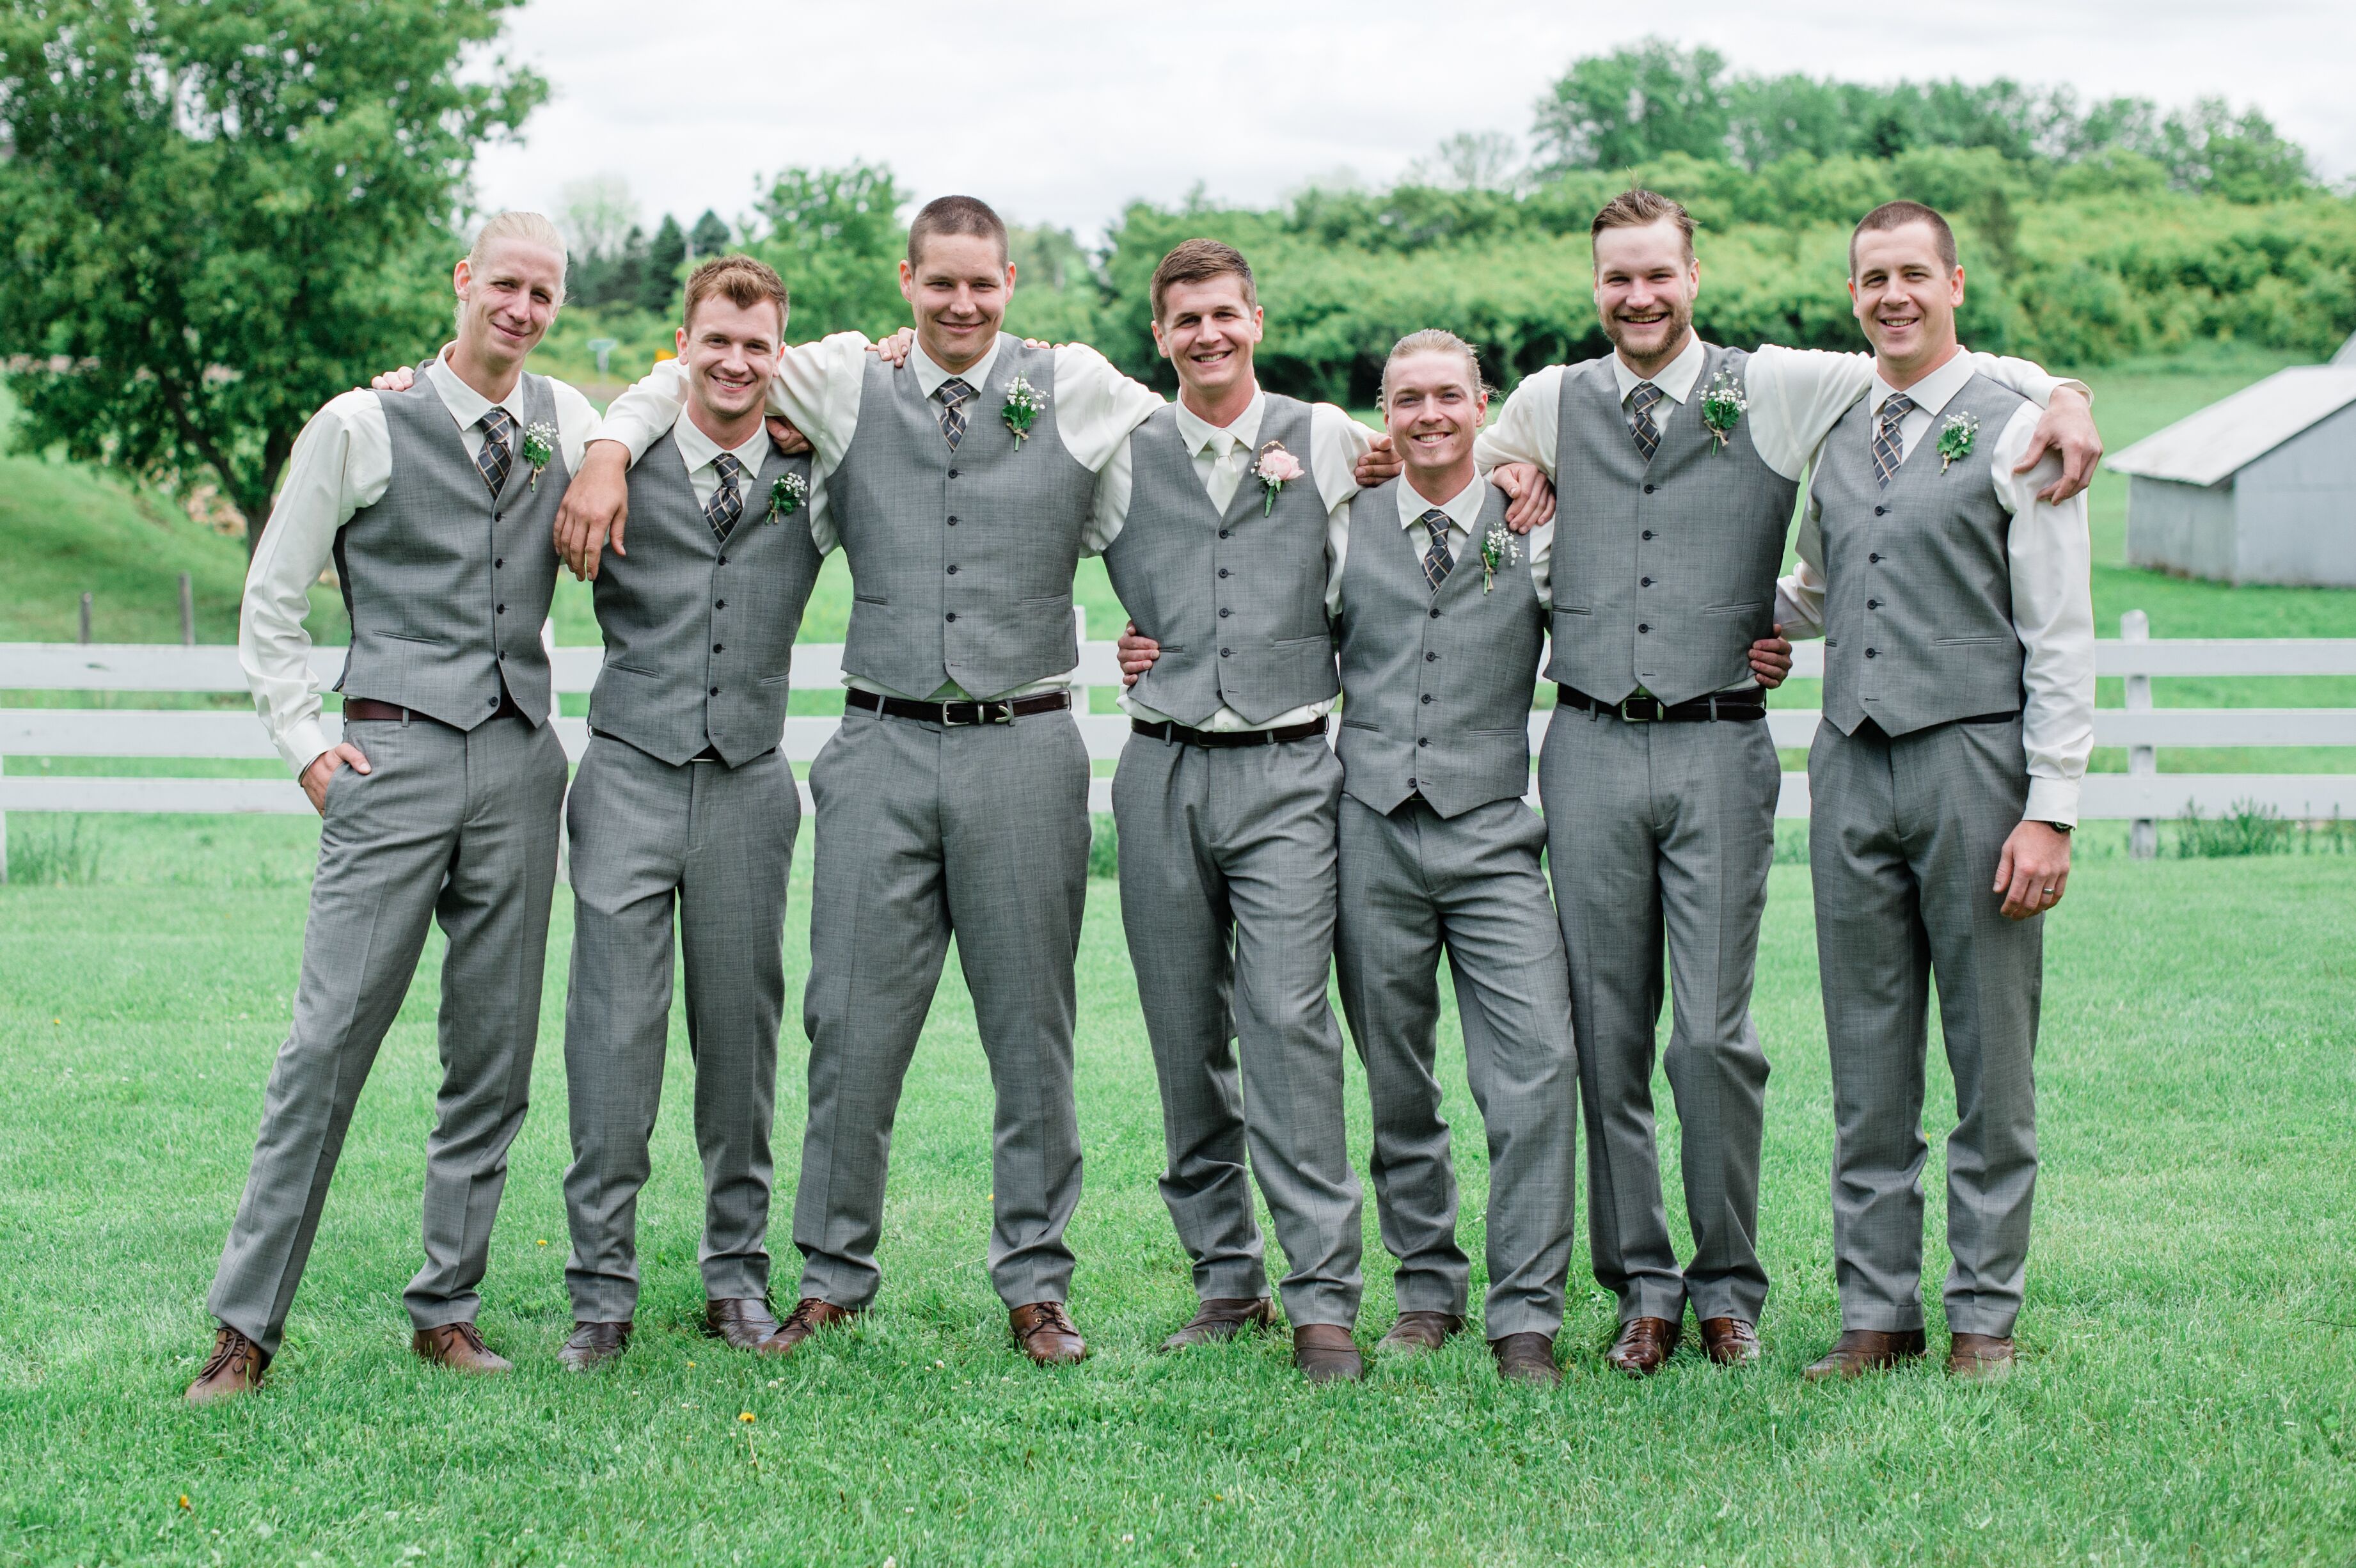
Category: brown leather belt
[1216,739]
[1718,705]
[370,709]
[958,715]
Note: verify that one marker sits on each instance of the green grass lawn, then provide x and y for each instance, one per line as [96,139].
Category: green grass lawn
[2187,1393]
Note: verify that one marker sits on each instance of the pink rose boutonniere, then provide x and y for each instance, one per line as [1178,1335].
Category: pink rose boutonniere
[1276,469]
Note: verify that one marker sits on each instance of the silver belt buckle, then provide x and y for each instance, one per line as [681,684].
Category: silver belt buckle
[1652,717]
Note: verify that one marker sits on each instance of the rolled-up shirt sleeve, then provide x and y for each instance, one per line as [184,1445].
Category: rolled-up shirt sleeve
[1527,430]
[2053,615]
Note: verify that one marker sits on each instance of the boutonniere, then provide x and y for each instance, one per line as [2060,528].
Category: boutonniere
[1722,407]
[1023,403]
[1275,468]
[787,495]
[1497,549]
[539,449]
[1955,437]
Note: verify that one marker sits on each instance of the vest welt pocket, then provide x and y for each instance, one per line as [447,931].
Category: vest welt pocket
[407,636]
[859,598]
[1320,638]
[1754,607]
[616,664]
[1361,724]
[1519,732]
[779,680]
[1969,641]
[1574,609]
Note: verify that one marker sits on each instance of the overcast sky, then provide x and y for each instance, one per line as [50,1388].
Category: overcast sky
[1061,112]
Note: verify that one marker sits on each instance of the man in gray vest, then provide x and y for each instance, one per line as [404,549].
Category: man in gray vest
[440,801]
[1658,774]
[1957,612]
[954,798]
[684,802]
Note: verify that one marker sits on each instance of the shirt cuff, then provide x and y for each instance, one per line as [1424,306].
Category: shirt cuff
[2052,801]
[302,746]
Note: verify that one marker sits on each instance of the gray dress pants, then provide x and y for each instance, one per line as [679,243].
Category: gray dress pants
[979,831]
[1903,838]
[715,845]
[1226,892]
[458,828]
[1663,834]
[1414,884]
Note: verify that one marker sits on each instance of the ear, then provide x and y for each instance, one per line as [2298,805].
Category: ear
[679,341]
[1009,277]
[460,276]
[907,280]
[1955,286]
[1161,344]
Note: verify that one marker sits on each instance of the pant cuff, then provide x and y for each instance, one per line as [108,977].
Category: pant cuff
[1989,1320]
[1882,1318]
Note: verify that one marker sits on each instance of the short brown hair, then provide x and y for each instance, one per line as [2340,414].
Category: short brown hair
[1897,215]
[955,215]
[741,281]
[1200,260]
[1639,209]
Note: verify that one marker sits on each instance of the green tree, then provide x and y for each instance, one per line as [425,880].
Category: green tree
[709,237]
[1613,111]
[218,216]
[835,236]
[666,267]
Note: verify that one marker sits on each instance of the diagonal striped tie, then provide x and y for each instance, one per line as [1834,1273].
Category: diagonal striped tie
[1437,561]
[953,394]
[727,502]
[1640,423]
[1887,451]
[498,455]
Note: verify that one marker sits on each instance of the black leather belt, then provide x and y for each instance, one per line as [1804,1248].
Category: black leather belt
[1718,705]
[956,715]
[1216,738]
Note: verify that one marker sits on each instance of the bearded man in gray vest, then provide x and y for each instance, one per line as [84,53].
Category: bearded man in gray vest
[1953,593]
[440,800]
[954,798]
[684,802]
[1682,462]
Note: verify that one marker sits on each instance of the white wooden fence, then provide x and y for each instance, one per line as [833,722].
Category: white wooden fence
[2141,794]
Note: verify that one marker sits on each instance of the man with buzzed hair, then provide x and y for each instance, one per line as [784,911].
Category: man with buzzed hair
[953,800]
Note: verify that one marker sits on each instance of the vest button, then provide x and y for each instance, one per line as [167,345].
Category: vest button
[953,472]
[1435,612]
[1225,613]
[1644,582]
[724,560]
[717,649]
[1223,534]
[952,523]
[1225,652]
[715,690]
[720,604]
[1648,489]
[1643,627]
[1648,533]
[1880,510]
[1426,697]
[952,568]
[1873,653]
[494,703]
[498,562]
[1876,559]
[1873,604]
[1431,657]
[1411,783]
[952,614]
[502,609]
[1222,571]
[1421,741]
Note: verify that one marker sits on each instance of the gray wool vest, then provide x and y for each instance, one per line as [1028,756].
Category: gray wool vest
[961,562]
[1664,572]
[699,634]
[1237,602]
[446,586]
[1435,686]
[1918,600]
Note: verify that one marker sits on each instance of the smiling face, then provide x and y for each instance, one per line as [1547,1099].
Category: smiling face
[1905,296]
[507,302]
[1432,406]
[1207,331]
[957,285]
[729,351]
[1644,288]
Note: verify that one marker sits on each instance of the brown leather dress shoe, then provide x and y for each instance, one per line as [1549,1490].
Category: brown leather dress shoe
[744,1323]
[1046,1334]
[593,1344]
[1415,1332]
[809,1315]
[1223,1318]
[1730,1341]
[1325,1353]
[1981,1357]
[1861,1350]
[460,1348]
[1526,1358]
[234,1368]
[1644,1343]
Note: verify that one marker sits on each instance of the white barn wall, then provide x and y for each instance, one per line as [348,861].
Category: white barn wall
[2295,508]
[2185,528]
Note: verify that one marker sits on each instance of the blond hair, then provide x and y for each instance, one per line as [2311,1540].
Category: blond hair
[532,229]
[1431,340]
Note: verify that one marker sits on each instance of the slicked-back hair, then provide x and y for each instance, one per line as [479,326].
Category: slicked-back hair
[956,215]
[1897,215]
[530,228]
[1640,209]
[741,281]
[1200,260]
[1434,341]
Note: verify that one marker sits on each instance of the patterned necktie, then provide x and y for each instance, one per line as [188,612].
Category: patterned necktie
[952,395]
[727,502]
[498,455]
[1437,561]
[1886,452]
[1640,424]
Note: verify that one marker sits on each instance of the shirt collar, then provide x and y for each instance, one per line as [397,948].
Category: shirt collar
[466,405]
[929,376]
[1463,507]
[1676,377]
[1194,432]
[700,449]
[1932,392]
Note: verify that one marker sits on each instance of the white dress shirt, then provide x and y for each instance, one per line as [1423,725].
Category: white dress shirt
[341,462]
[2052,592]
[1463,510]
[817,387]
[696,450]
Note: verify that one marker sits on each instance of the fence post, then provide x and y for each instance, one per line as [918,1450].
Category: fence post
[3,834]
[188,612]
[2143,761]
[85,619]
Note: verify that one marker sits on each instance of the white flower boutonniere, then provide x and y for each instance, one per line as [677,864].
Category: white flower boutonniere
[1955,437]
[1023,403]
[539,449]
[1723,405]
[785,497]
[1275,468]
[1497,549]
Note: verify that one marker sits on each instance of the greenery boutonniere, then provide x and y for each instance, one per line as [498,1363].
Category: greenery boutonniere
[785,497]
[539,449]
[1023,403]
[1955,437]
[1275,468]
[1722,407]
[1497,549]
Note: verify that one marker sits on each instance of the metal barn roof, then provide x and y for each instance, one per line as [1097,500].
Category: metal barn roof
[2235,432]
